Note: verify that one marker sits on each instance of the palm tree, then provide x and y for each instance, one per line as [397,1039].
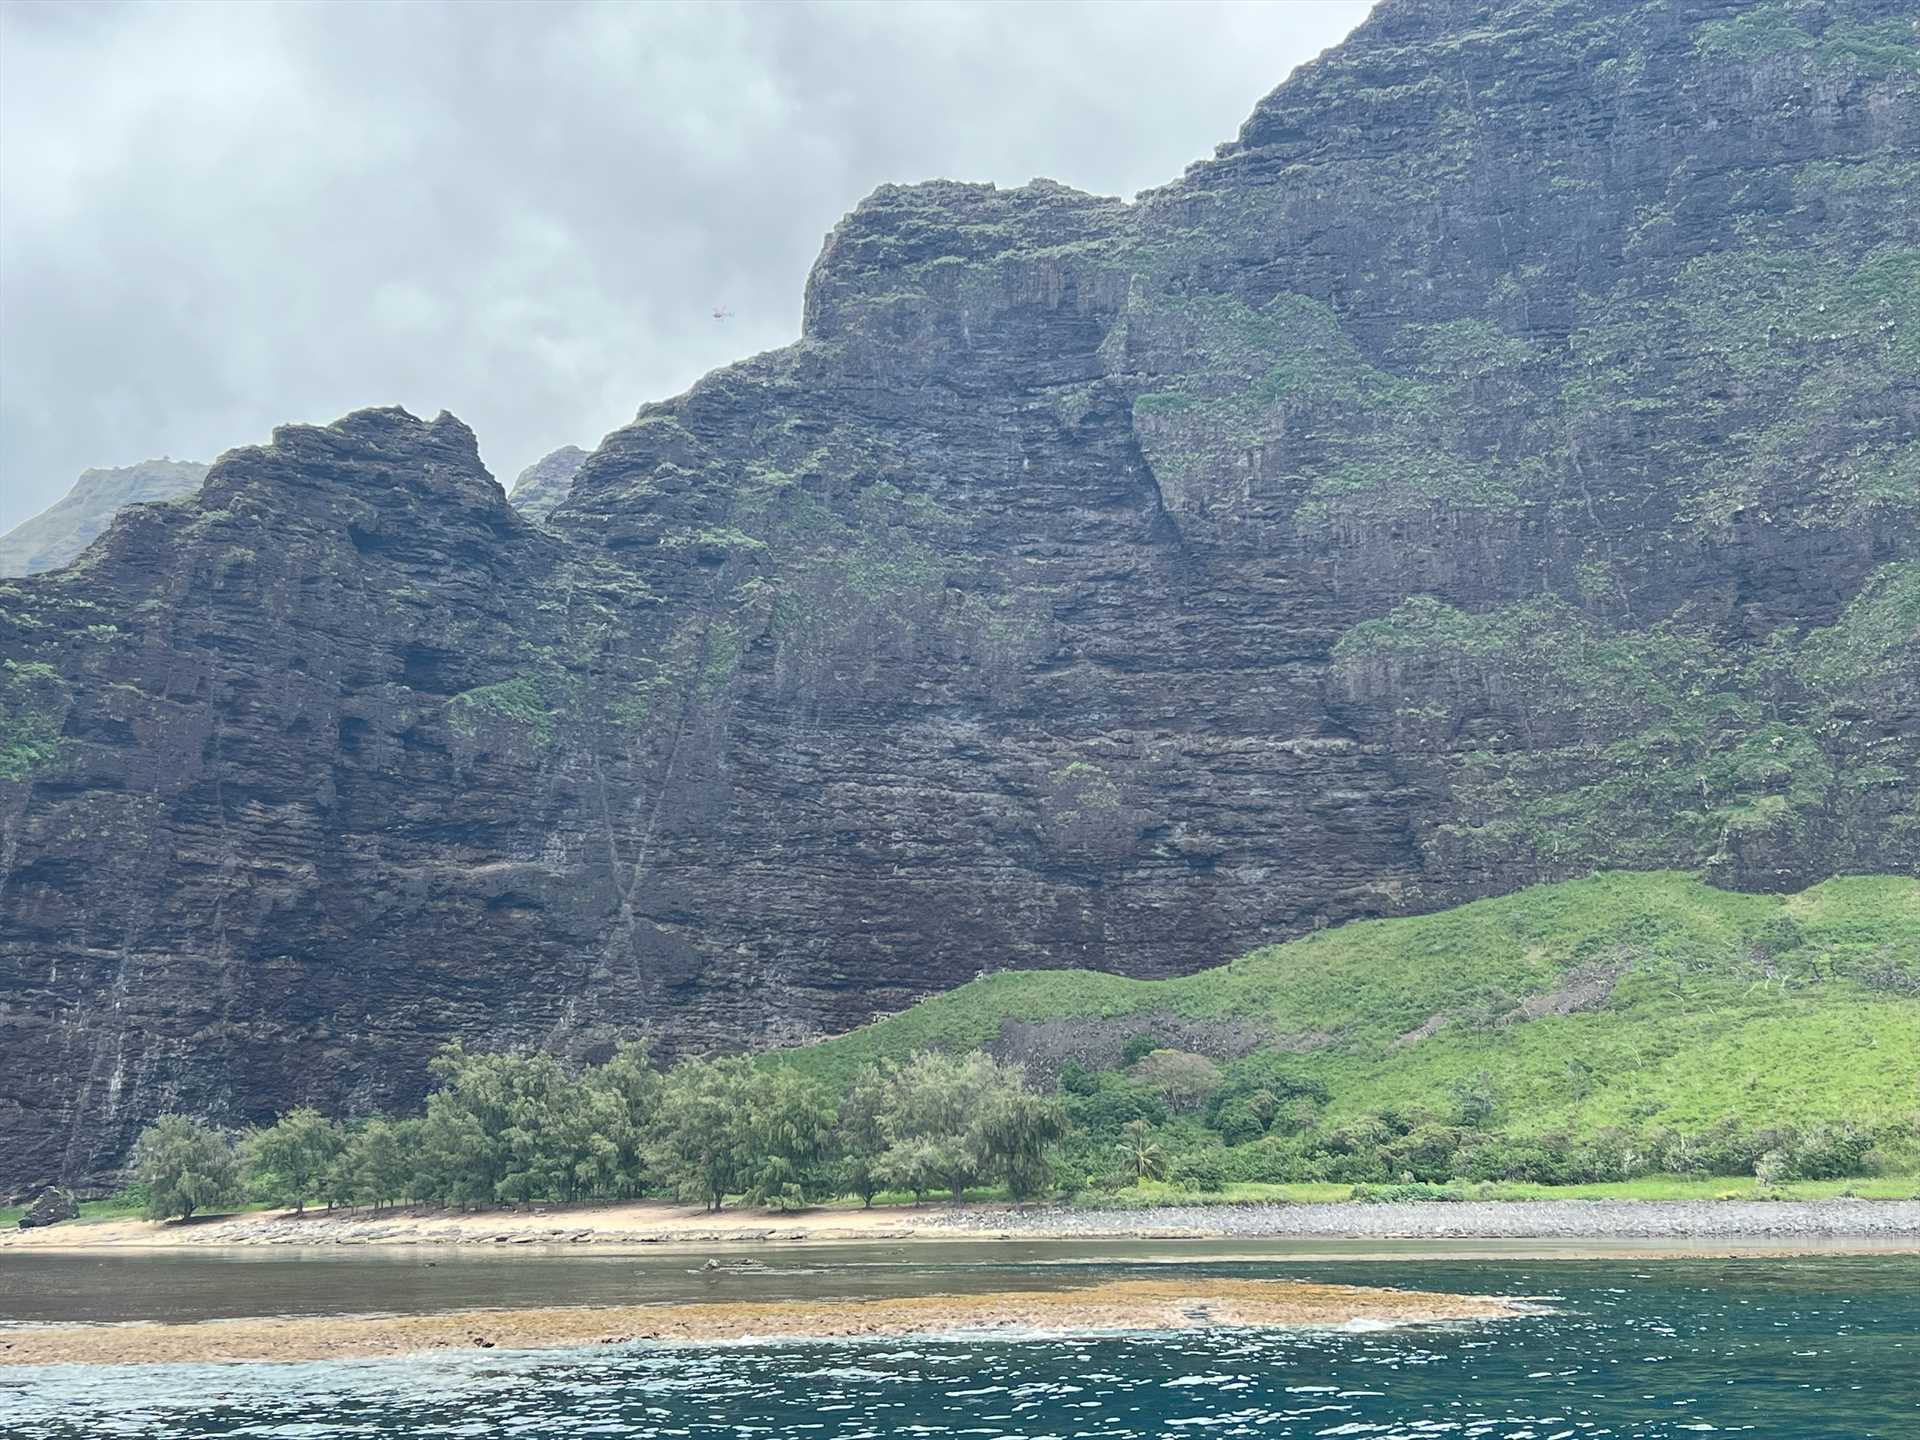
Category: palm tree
[1141,1153]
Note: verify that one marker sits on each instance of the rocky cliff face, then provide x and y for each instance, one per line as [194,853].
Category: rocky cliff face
[60,532]
[1497,463]
[545,483]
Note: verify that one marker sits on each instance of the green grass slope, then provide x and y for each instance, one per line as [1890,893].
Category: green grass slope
[1771,1009]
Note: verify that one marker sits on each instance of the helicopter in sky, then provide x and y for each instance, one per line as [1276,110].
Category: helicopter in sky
[720,312]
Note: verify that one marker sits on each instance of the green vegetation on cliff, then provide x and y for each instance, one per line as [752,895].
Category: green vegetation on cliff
[1597,739]
[33,702]
[1880,47]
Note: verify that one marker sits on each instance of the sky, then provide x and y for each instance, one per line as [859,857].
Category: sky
[215,218]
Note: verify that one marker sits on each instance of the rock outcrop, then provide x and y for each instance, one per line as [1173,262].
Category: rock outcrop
[1499,462]
[60,532]
[50,1207]
[546,482]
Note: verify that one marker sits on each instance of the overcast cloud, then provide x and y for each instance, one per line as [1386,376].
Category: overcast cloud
[215,218]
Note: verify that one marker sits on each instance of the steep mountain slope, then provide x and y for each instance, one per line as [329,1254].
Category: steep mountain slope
[61,531]
[1498,462]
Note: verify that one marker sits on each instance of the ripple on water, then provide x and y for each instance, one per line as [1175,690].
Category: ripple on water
[1811,1350]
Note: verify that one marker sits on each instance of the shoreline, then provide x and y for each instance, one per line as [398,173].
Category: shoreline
[1887,1223]
[1772,1226]
[1113,1306]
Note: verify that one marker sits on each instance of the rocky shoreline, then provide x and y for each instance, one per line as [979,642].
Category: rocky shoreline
[1784,1220]
[645,1225]
[1128,1305]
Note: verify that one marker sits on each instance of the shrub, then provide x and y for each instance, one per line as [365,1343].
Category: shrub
[1365,1169]
[1429,1152]
[1609,1155]
[1077,1079]
[1475,1100]
[1358,1137]
[1829,1152]
[1267,1070]
[1139,1045]
[1203,1170]
[1241,1120]
[1399,1194]
[1771,1168]
[1296,1115]
[1725,1148]
[1539,1161]
[1116,1105]
[1271,1161]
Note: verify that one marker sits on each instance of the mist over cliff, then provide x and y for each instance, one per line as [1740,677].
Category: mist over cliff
[1497,463]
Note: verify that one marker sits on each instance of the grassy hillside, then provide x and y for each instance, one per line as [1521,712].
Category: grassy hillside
[1687,1007]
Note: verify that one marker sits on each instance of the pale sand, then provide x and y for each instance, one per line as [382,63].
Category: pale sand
[640,1222]
[1120,1305]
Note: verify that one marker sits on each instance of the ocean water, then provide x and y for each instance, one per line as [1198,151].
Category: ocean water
[1815,1348]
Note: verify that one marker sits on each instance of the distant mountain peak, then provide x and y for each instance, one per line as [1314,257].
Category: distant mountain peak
[59,533]
[546,482]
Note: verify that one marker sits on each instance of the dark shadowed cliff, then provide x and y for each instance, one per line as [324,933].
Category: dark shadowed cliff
[1499,462]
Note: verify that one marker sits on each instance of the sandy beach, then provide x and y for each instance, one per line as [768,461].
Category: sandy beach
[1184,1304]
[639,1223]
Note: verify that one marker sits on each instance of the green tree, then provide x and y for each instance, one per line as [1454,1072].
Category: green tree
[1140,1154]
[548,1134]
[580,1140]
[1140,1044]
[1203,1170]
[1015,1128]
[702,1132]
[186,1166]
[1249,1116]
[455,1163]
[340,1186]
[859,1136]
[378,1161]
[956,1121]
[462,1157]
[928,1121]
[288,1161]
[505,1126]
[626,1097]
[1475,1098]
[1181,1078]
[789,1144]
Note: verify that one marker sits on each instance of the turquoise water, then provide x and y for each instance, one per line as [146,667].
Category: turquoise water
[1799,1349]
